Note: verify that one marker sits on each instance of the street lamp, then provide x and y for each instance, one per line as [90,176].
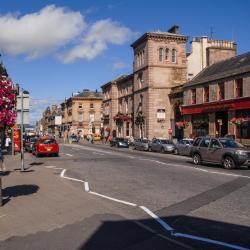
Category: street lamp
[22,152]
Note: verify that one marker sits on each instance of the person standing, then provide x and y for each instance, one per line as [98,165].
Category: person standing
[8,143]
[2,165]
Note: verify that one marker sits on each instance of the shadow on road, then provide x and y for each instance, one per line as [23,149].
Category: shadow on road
[19,190]
[115,235]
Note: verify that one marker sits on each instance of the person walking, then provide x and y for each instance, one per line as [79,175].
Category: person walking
[2,165]
[7,143]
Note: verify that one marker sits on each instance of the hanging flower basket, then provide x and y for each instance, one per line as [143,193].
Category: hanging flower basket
[239,121]
[120,117]
[139,118]
[182,125]
[108,129]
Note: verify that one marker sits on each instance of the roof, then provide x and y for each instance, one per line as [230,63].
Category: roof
[157,34]
[230,67]
[118,79]
[89,94]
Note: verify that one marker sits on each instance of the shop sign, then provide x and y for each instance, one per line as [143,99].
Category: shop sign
[161,114]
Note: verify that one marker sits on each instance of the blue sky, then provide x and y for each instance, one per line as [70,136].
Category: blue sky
[53,48]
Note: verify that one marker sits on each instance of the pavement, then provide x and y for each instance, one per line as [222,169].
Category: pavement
[42,210]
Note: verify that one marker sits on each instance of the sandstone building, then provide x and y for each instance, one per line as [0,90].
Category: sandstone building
[82,113]
[217,100]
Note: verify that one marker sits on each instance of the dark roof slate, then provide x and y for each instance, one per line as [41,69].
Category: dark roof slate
[226,68]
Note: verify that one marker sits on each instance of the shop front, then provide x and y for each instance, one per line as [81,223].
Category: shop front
[222,118]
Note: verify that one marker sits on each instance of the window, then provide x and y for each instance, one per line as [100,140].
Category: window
[205,143]
[139,80]
[193,96]
[173,55]
[80,117]
[215,144]
[120,106]
[91,105]
[143,57]
[238,88]
[160,54]
[126,106]
[196,142]
[221,91]
[80,105]
[206,94]
[167,54]
[127,128]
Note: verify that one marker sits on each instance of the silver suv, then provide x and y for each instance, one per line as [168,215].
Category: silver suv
[224,151]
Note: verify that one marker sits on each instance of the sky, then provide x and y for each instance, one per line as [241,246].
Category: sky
[54,48]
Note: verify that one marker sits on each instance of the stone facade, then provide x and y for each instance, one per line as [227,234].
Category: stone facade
[205,52]
[83,113]
[163,66]
[227,111]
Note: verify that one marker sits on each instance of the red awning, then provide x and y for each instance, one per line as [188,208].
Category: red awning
[225,105]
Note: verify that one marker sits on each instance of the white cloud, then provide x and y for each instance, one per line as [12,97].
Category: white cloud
[38,106]
[120,65]
[96,40]
[53,28]
[39,33]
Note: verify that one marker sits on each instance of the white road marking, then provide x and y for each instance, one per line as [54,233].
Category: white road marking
[50,166]
[69,154]
[215,242]
[3,215]
[113,199]
[86,187]
[158,219]
[97,153]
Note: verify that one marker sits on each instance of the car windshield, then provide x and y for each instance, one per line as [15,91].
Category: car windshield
[122,139]
[165,142]
[48,141]
[144,141]
[230,143]
[189,142]
[33,139]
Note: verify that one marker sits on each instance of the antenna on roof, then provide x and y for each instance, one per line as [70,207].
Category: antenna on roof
[211,32]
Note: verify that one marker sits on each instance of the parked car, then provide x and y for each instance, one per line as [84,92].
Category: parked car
[161,145]
[141,144]
[46,147]
[119,142]
[29,143]
[224,151]
[183,146]
[74,138]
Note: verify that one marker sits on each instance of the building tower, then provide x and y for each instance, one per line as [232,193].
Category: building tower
[159,64]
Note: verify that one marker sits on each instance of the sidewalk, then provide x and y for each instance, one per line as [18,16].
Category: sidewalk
[39,200]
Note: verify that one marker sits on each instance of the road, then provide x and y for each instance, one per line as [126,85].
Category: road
[173,204]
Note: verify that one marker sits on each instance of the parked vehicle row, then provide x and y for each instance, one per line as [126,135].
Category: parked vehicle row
[224,151]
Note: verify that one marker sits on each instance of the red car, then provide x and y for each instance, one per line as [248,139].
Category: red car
[46,147]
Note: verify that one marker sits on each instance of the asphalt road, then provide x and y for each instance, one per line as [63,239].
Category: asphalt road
[173,205]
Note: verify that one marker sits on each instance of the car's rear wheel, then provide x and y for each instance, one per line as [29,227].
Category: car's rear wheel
[196,159]
[228,163]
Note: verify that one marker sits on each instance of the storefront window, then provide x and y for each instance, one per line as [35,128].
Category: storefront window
[200,125]
[243,129]
[206,94]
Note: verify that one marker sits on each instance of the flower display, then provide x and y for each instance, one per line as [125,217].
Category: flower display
[238,121]
[182,124]
[120,117]
[7,102]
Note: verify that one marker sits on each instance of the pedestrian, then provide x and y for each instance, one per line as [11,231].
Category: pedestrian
[2,165]
[7,143]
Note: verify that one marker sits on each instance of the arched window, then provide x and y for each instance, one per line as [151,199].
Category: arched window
[173,55]
[160,54]
[167,54]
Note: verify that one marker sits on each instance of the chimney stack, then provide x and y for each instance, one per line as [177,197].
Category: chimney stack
[174,29]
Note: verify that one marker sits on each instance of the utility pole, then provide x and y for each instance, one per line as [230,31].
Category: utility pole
[22,153]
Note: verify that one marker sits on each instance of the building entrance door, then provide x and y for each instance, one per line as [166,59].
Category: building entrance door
[221,122]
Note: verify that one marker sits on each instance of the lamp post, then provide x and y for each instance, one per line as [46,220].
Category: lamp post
[22,153]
